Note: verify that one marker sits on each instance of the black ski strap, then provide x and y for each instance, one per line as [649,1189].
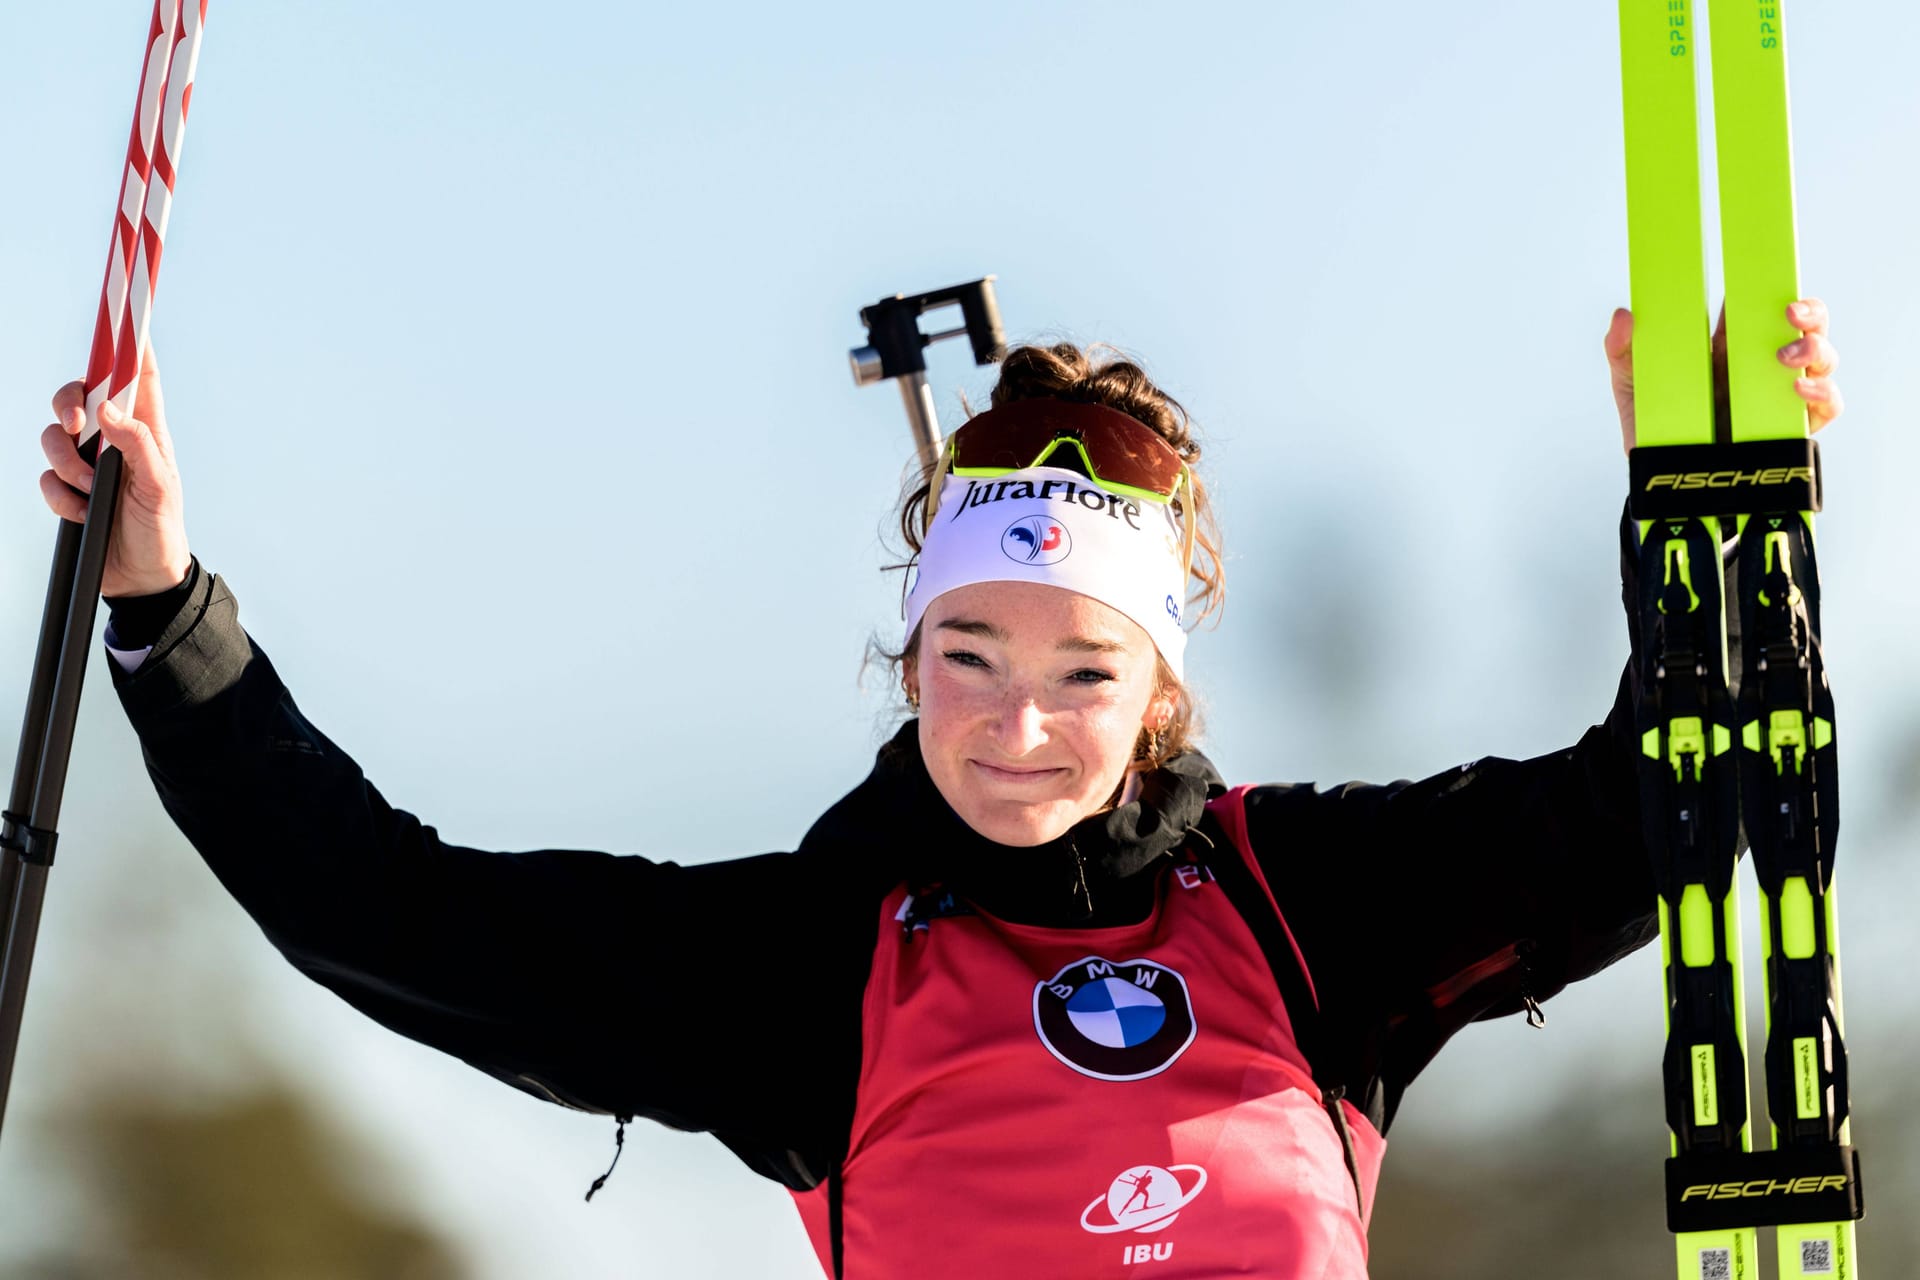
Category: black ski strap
[1262,917]
[835,1217]
[32,843]
[1235,877]
[1713,479]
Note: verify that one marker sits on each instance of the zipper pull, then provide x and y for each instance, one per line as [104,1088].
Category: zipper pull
[619,1145]
[1536,1016]
[1081,893]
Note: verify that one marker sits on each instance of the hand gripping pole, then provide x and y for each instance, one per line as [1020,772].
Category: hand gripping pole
[28,831]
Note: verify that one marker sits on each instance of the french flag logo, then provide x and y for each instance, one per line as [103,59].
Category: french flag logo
[1036,540]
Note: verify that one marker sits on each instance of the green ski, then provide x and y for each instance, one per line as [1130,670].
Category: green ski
[1713,755]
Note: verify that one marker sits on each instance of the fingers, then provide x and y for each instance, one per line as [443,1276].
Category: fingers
[1809,315]
[1618,342]
[1824,402]
[1816,356]
[133,438]
[61,499]
[142,443]
[149,406]
[69,407]
[64,454]
[1812,353]
[65,487]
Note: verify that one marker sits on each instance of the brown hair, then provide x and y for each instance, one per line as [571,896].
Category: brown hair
[1101,375]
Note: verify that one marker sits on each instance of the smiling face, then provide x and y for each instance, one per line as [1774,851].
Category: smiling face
[1032,699]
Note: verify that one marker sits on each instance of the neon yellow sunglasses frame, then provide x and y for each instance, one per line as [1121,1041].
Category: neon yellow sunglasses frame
[1182,483]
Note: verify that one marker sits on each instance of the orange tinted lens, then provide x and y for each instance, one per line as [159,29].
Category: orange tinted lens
[1120,449]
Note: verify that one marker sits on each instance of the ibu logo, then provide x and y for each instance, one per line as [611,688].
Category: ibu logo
[1036,540]
[1145,1198]
[1135,1253]
[1114,1021]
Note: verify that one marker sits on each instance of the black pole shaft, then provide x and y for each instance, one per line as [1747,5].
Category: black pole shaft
[46,660]
[46,744]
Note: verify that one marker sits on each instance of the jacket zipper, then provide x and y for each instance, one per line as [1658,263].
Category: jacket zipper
[1442,994]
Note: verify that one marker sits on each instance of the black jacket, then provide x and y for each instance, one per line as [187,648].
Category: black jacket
[587,978]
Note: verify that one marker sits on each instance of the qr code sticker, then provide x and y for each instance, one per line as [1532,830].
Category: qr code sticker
[1716,1264]
[1816,1257]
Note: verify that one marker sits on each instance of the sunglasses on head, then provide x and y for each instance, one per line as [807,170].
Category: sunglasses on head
[1117,451]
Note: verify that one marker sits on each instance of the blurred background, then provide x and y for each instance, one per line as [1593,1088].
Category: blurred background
[505,357]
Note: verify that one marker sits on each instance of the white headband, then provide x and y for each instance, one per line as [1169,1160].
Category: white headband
[1051,525]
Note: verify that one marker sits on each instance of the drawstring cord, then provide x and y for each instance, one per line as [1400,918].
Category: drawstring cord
[1080,891]
[619,1145]
[1330,1099]
[1536,1016]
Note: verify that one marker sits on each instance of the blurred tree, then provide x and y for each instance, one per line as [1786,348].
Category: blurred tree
[247,1188]
[154,1133]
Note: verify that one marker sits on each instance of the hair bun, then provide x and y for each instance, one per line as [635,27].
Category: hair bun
[1064,371]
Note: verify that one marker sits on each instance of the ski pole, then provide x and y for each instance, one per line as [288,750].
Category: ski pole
[896,349]
[28,832]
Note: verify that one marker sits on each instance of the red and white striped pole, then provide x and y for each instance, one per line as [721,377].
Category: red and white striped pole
[28,828]
[146,199]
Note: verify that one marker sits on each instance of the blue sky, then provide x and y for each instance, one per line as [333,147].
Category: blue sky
[506,360]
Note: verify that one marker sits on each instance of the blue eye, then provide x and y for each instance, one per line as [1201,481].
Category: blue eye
[964,657]
[1090,676]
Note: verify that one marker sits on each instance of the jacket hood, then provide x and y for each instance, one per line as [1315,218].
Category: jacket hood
[1090,875]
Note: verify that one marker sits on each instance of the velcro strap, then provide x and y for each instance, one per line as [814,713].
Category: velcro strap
[1718,479]
[32,843]
[1721,1190]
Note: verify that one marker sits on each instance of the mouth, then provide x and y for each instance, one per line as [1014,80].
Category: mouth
[1015,776]
[1020,778]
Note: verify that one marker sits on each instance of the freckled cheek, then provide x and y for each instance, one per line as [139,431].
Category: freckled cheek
[953,704]
[1101,737]
[1112,740]
[1097,734]
[952,716]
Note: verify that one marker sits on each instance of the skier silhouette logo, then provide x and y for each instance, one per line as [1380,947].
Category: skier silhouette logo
[1139,1185]
[1036,540]
[1145,1197]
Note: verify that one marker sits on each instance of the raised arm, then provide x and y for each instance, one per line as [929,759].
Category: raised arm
[1421,906]
[1483,890]
[597,981]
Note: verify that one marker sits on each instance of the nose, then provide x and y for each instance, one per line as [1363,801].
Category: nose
[1021,726]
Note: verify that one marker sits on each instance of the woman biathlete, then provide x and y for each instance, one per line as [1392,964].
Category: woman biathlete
[1042,997]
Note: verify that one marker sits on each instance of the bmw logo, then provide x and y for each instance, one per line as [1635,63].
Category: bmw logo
[1114,1020]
